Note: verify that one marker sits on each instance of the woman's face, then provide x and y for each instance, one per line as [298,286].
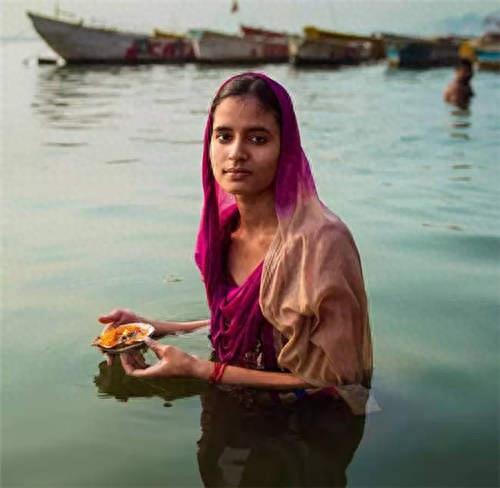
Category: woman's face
[245,146]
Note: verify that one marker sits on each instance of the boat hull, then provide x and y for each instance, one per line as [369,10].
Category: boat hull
[488,59]
[415,53]
[76,43]
[376,45]
[212,47]
[331,52]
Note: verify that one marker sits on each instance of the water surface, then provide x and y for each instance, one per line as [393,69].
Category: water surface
[101,200]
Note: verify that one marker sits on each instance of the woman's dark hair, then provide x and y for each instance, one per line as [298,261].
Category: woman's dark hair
[249,85]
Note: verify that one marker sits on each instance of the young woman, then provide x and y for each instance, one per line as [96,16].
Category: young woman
[288,309]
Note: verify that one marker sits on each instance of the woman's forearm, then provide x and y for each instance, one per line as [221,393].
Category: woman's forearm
[163,328]
[234,375]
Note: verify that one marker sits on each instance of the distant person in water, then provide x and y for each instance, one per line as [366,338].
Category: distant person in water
[459,91]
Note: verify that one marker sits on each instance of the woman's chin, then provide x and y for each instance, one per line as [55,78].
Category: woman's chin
[245,188]
[238,188]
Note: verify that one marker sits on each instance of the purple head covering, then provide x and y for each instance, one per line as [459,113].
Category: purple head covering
[294,185]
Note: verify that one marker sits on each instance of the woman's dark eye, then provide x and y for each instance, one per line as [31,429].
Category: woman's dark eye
[223,137]
[258,139]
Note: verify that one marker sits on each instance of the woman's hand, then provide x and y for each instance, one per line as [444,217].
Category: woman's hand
[117,317]
[171,362]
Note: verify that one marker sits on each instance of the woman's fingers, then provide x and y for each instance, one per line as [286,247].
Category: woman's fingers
[118,316]
[127,364]
[155,346]
[153,371]
[137,359]
[110,317]
[172,362]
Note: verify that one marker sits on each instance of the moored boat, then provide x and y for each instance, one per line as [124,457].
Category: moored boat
[254,46]
[275,44]
[319,46]
[377,44]
[416,52]
[78,43]
[485,51]
[488,58]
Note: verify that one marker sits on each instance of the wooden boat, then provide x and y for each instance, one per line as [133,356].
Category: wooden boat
[485,51]
[275,43]
[328,47]
[253,46]
[416,52]
[488,58]
[77,43]
[377,44]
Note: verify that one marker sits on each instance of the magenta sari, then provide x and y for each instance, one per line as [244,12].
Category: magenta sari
[238,331]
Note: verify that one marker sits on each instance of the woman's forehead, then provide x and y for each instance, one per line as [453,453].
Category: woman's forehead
[242,110]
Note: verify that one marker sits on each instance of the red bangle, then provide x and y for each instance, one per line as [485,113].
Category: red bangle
[217,373]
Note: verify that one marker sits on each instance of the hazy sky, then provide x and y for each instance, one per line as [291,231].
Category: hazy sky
[364,16]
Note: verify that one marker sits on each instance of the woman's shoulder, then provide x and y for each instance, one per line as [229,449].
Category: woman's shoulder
[317,226]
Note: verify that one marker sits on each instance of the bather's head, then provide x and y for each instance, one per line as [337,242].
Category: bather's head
[246,136]
[464,70]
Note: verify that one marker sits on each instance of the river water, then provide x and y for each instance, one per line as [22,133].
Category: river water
[100,206]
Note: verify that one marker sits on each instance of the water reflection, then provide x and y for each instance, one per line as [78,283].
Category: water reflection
[460,123]
[78,98]
[309,443]
[112,382]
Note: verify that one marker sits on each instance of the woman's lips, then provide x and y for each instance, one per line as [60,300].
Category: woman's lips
[237,174]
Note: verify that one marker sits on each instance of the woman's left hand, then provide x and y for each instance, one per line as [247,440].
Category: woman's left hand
[171,362]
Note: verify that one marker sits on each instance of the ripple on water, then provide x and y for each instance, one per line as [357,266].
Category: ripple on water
[454,227]
[169,101]
[460,178]
[147,139]
[123,161]
[454,247]
[65,144]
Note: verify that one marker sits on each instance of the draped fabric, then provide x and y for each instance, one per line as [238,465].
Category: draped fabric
[293,183]
[239,332]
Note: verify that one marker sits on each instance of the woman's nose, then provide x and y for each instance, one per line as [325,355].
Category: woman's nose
[237,150]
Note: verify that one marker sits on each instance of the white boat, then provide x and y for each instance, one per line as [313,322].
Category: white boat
[252,47]
[77,43]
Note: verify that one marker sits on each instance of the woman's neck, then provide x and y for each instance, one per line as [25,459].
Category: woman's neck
[257,213]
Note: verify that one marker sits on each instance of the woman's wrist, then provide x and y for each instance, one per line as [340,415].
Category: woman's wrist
[216,372]
[161,328]
[164,328]
[201,368]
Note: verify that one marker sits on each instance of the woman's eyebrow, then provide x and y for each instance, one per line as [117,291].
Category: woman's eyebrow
[256,128]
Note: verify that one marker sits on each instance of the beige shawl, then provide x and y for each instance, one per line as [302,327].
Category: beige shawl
[312,292]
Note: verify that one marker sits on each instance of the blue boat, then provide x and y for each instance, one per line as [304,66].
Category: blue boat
[415,52]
